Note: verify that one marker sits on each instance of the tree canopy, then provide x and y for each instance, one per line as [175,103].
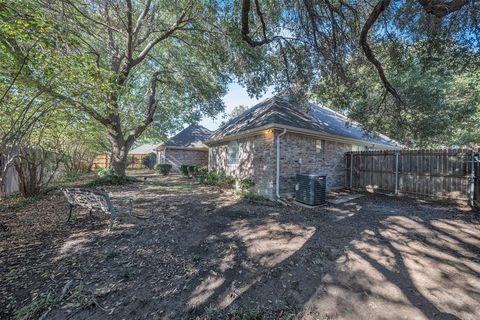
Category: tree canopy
[100,75]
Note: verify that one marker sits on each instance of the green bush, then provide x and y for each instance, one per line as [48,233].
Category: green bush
[192,171]
[149,160]
[112,180]
[201,174]
[184,169]
[211,178]
[102,172]
[219,179]
[246,184]
[163,168]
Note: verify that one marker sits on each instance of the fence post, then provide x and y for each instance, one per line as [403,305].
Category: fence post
[351,171]
[396,172]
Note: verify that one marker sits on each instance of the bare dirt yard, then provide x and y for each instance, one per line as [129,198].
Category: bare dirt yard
[197,252]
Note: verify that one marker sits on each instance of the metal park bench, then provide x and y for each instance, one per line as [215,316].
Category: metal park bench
[94,200]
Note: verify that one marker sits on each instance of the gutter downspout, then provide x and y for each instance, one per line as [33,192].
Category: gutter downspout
[277,184]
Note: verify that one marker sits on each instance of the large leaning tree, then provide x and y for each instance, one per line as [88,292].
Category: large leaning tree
[130,63]
[402,67]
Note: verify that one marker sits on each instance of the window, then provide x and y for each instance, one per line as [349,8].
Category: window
[320,149]
[359,148]
[233,153]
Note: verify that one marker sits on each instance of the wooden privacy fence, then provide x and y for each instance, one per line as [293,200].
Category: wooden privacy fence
[134,161]
[449,174]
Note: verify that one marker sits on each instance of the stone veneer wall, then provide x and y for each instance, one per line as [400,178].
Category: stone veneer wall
[294,147]
[256,161]
[177,157]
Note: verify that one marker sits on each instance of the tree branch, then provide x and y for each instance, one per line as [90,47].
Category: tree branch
[372,18]
[246,25]
[181,21]
[86,16]
[152,108]
[440,8]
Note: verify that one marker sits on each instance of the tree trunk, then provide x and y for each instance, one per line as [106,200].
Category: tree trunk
[118,162]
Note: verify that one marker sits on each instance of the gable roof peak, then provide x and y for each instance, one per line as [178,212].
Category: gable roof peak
[192,136]
[281,111]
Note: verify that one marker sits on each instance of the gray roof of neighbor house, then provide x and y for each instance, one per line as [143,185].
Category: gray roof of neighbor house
[279,112]
[144,149]
[192,136]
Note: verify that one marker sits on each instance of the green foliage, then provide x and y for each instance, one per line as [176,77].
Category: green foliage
[36,307]
[215,178]
[192,170]
[163,168]
[246,183]
[201,173]
[71,176]
[102,172]
[440,96]
[254,197]
[184,169]
[238,110]
[149,160]
[112,180]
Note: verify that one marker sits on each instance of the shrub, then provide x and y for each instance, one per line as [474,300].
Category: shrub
[163,168]
[192,171]
[102,172]
[112,180]
[71,176]
[246,184]
[149,160]
[184,169]
[211,178]
[227,180]
[219,179]
[201,174]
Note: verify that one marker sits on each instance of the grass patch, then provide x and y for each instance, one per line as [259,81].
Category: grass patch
[112,180]
[245,314]
[179,187]
[34,309]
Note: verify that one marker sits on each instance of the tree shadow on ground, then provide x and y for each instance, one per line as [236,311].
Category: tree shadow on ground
[363,264]
[201,253]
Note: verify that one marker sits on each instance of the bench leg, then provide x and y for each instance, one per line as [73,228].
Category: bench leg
[130,209]
[112,219]
[70,211]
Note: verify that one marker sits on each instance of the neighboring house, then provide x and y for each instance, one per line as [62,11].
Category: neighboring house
[134,158]
[275,139]
[136,155]
[186,147]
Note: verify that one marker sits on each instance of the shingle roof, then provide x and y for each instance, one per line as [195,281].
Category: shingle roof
[279,111]
[144,149]
[192,136]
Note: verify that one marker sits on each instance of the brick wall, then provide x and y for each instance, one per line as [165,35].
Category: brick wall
[298,154]
[177,157]
[256,161]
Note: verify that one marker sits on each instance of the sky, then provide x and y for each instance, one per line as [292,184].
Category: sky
[237,95]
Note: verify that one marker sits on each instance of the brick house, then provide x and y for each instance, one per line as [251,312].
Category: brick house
[275,139]
[186,147]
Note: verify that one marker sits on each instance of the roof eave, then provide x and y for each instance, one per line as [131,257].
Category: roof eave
[160,148]
[291,129]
